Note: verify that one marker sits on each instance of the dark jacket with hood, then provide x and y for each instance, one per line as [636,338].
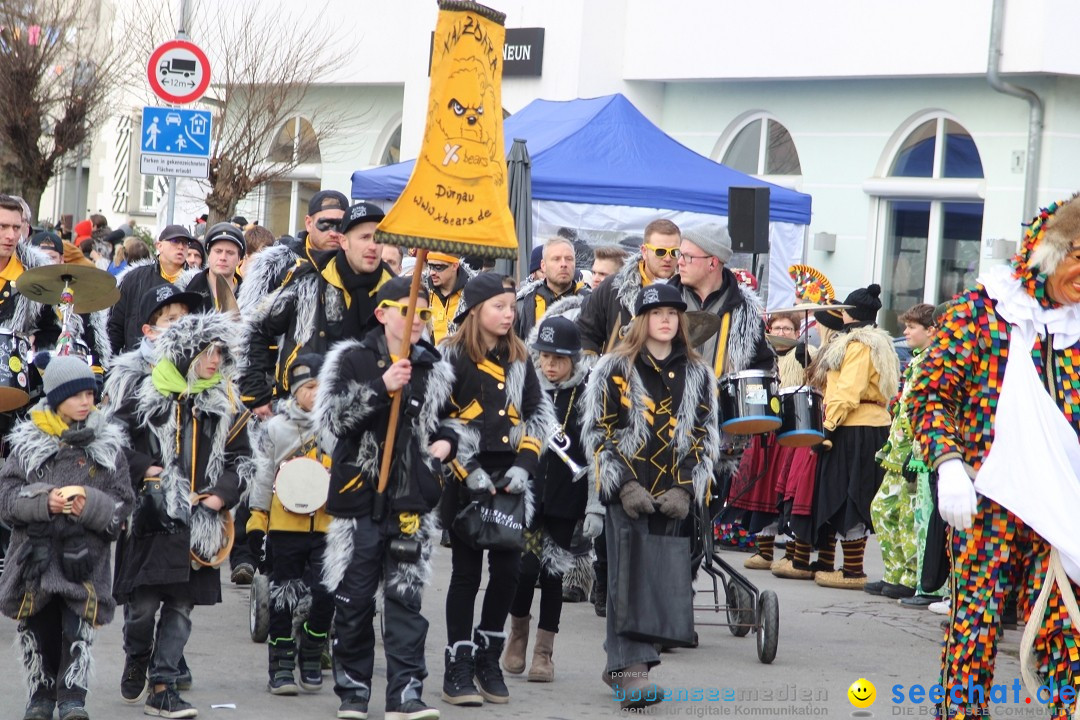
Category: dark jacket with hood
[89,454]
[214,457]
[201,284]
[124,324]
[321,303]
[610,307]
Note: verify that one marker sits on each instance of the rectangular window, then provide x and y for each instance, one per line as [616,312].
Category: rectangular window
[148,193]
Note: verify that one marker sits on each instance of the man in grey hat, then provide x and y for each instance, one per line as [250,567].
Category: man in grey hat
[707,284]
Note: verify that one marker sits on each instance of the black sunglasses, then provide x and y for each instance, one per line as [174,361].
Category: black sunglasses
[437,267]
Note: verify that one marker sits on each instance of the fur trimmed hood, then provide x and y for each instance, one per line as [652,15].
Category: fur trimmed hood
[628,282]
[191,334]
[570,308]
[882,354]
[264,269]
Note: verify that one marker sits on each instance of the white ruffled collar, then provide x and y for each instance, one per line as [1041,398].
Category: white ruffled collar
[1017,307]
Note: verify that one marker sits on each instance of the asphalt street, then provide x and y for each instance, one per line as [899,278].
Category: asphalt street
[828,639]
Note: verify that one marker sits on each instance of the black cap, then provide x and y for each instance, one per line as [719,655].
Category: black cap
[196,244]
[225,231]
[866,303]
[115,237]
[239,220]
[156,298]
[327,200]
[479,288]
[658,295]
[304,369]
[360,213]
[47,241]
[558,335]
[397,288]
[174,232]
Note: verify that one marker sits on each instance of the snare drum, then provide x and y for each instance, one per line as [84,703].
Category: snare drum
[14,366]
[802,412]
[749,404]
[302,485]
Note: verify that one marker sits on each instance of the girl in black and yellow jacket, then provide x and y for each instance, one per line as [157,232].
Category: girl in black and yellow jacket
[650,429]
[502,419]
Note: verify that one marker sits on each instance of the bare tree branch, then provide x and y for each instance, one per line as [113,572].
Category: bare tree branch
[58,68]
[264,59]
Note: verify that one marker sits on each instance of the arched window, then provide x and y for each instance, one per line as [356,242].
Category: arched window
[392,153]
[932,215]
[297,144]
[762,146]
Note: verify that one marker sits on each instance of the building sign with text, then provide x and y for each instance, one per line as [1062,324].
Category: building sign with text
[523,52]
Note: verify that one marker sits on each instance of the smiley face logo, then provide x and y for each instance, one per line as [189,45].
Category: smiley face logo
[862,693]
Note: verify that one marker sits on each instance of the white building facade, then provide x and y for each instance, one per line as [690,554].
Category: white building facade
[882,112]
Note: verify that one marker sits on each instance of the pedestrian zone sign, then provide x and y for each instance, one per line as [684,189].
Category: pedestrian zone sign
[175,142]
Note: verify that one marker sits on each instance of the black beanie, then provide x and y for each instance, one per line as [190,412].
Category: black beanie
[866,302]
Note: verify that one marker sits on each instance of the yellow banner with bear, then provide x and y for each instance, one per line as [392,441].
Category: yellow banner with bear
[456,200]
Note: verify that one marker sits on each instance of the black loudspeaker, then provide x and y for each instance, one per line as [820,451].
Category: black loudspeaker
[748,219]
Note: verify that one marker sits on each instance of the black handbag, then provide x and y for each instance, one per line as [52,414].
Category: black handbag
[151,516]
[653,599]
[493,522]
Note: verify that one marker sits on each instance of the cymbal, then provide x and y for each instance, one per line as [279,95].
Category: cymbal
[810,308]
[702,325]
[103,303]
[779,342]
[45,284]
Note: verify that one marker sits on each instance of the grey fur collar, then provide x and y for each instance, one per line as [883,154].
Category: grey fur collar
[125,375]
[263,268]
[528,286]
[131,267]
[627,282]
[27,312]
[33,446]
[699,389]
[747,331]
[882,355]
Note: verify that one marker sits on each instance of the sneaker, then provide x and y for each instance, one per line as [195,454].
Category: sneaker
[489,677]
[184,681]
[917,602]
[168,704]
[941,607]
[242,574]
[458,687]
[412,710]
[72,710]
[133,681]
[353,707]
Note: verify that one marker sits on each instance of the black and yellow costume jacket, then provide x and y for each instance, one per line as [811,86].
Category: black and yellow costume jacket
[651,421]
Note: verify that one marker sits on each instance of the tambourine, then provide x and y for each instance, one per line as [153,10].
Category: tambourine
[230,536]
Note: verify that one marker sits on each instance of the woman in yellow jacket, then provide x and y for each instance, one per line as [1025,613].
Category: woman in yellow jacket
[294,541]
[862,372]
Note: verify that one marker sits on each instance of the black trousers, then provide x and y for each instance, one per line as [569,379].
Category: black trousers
[404,628]
[561,532]
[295,553]
[54,639]
[467,566]
[241,553]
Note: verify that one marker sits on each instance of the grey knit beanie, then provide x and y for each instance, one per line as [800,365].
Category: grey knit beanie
[713,239]
[67,375]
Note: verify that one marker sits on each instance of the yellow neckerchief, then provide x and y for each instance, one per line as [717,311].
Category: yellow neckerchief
[48,422]
[645,280]
[169,278]
[11,271]
[541,303]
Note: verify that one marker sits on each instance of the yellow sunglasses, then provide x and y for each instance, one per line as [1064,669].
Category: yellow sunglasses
[423,313]
[664,252]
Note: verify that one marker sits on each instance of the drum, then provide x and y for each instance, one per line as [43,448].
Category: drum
[14,366]
[302,485]
[749,404]
[802,414]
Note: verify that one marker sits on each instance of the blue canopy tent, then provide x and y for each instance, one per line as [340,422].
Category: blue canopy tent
[599,164]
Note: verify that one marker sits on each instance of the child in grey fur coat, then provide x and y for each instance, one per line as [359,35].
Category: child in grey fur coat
[64,491]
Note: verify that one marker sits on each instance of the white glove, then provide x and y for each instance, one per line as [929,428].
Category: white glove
[479,481]
[518,480]
[957,501]
[593,525]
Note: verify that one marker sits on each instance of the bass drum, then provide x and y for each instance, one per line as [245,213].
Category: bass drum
[802,412]
[302,485]
[749,403]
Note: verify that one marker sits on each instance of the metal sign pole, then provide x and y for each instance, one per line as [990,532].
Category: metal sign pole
[172,201]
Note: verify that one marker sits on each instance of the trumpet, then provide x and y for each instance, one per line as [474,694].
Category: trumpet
[560,444]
